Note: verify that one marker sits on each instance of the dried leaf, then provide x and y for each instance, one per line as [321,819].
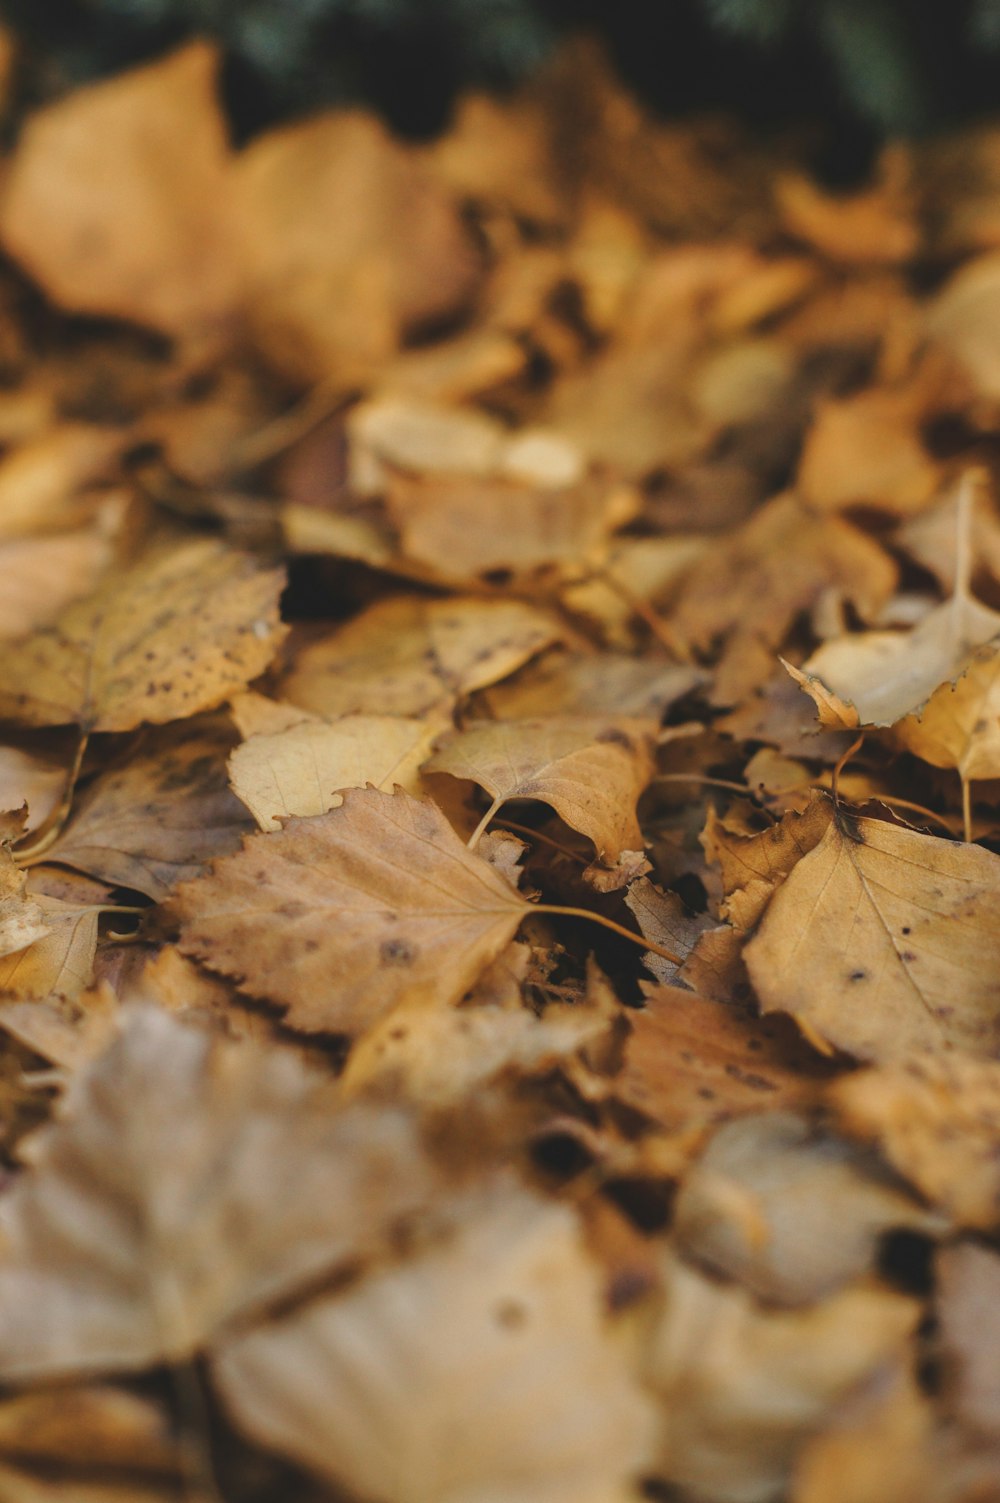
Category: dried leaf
[865,450]
[590,771]
[21,920]
[59,965]
[883,941]
[937,1121]
[409,656]
[126,654]
[118,198]
[959,725]
[159,817]
[790,1212]
[299,770]
[380,893]
[968,1309]
[743,1386]
[607,683]
[482,1366]
[159,1208]
[690,1062]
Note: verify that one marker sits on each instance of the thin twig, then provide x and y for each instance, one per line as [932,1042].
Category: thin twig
[51,828]
[559,911]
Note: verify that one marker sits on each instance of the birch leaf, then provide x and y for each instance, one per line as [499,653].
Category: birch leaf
[882,941]
[298,771]
[160,1205]
[591,771]
[343,916]
[177,633]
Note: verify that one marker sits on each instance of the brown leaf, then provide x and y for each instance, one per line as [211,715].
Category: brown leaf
[752,587]
[350,244]
[753,867]
[127,653]
[690,1062]
[159,1208]
[482,1366]
[22,922]
[882,941]
[791,1212]
[959,726]
[606,683]
[117,200]
[379,893]
[937,1121]
[159,817]
[408,655]
[865,450]
[592,772]
[300,769]
[876,225]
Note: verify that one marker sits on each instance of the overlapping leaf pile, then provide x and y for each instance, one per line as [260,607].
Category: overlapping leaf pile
[473,1027]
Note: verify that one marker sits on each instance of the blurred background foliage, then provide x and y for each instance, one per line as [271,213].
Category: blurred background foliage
[869,67]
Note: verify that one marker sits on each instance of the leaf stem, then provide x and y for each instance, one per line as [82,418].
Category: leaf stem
[51,828]
[559,911]
[474,838]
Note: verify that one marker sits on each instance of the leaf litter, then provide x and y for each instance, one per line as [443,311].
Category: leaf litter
[468,1027]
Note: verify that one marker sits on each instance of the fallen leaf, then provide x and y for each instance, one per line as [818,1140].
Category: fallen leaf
[159,1208]
[663,918]
[590,771]
[968,1309]
[422,438]
[409,656]
[70,1032]
[608,683]
[30,779]
[936,1118]
[58,965]
[301,769]
[882,941]
[876,225]
[482,1366]
[118,199]
[789,1211]
[964,318]
[865,450]
[22,921]
[959,725]
[126,653]
[743,1386]
[753,867]
[160,816]
[40,577]
[749,590]
[874,1449]
[349,244]
[379,892]
[690,1062]
[40,485]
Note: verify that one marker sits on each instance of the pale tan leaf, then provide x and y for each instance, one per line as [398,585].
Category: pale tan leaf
[743,1386]
[39,577]
[865,449]
[591,771]
[40,485]
[883,940]
[301,770]
[60,964]
[177,633]
[424,438]
[22,922]
[161,1205]
[118,199]
[407,655]
[161,815]
[607,683]
[32,780]
[482,1367]
[789,1211]
[937,1121]
[379,893]
[959,726]
[68,1031]
[968,1309]
[753,867]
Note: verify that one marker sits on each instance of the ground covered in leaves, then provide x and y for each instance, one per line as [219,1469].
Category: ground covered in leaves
[500,915]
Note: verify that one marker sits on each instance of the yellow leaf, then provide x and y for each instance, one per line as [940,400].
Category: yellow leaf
[177,633]
[882,940]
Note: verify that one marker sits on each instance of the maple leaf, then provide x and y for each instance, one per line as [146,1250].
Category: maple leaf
[300,769]
[124,655]
[409,656]
[158,1208]
[344,916]
[882,940]
[591,771]
[484,1365]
